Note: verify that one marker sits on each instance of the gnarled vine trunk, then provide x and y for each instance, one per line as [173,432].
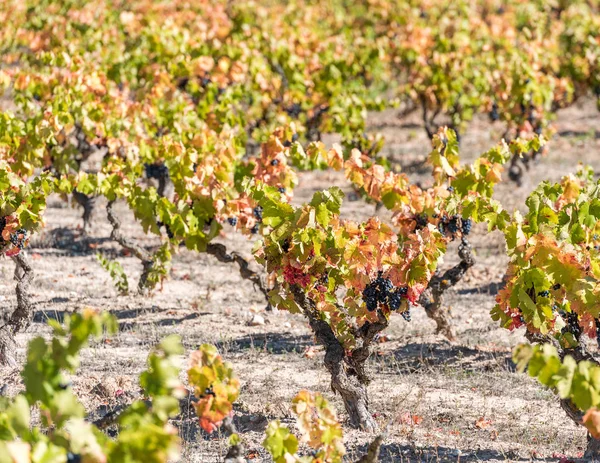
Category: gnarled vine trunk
[235,453]
[138,251]
[88,203]
[347,369]
[592,451]
[432,299]
[521,164]
[21,316]
[220,252]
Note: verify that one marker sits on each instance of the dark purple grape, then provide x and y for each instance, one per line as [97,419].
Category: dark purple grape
[406,315]
[494,115]
[421,220]
[453,225]
[156,171]
[466,226]
[258,213]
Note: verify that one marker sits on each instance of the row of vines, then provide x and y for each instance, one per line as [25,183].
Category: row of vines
[200,116]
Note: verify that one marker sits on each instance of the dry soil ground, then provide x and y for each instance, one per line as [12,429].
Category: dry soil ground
[451,402]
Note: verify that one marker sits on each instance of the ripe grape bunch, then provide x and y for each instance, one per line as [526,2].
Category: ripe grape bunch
[209,391]
[494,115]
[156,171]
[466,226]
[382,291]
[573,326]
[451,225]
[421,220]
[19,238]
[258,214]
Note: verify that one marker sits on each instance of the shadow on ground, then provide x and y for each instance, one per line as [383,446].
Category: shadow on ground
[272,342]
[422,356]
[399,453]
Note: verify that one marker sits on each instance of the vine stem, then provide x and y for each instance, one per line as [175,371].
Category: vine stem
[235,453]
[88,203]
[138,251]
[432,299]
[374,448]
[220,252]
[347,369]
[21,316]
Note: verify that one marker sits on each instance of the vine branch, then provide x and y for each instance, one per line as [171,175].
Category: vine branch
[137,250]
[220,252]
[432,298]
[346,373]
[21,316]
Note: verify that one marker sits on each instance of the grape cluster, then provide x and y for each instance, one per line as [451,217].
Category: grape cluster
[294,110]
[381,291]
[598,331]
[2,225]
[451,225]
[281,190]
[556,287]
[73,457]
[209,391]
[466,226]
[274,162]
[182,84]
[285,245]
[395,298]
[18,238]
[544,293]
[421,220]
[156,171]
[572,325]
[444,225]
[258,213]
[254,230]
[232,221]
[406,315]
[494,115]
